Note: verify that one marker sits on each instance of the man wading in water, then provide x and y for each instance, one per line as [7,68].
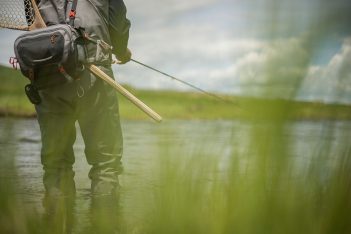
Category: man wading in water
[89,101]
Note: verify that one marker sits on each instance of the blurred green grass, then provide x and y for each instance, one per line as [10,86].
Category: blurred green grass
[258,190]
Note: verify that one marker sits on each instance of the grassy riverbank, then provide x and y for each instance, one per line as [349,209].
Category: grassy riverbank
[178,105]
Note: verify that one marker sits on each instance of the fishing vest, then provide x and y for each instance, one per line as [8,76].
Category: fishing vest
[91,15]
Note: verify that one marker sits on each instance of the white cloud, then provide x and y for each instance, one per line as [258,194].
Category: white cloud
[331,83]
[240,66]
[272,69]
[164,8]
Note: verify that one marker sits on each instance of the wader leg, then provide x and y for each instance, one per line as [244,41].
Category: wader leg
[57,156]
[56,117]
[101,130]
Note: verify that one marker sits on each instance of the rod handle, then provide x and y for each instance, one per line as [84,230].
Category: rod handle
[142,106]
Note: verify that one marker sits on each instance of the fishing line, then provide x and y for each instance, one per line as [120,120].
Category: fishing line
[184,82]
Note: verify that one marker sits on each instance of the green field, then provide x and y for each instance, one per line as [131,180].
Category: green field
[179,105]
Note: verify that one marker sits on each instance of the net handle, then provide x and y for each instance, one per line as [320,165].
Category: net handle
[38,20]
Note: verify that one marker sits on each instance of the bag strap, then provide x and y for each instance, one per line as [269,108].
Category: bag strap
[72,13]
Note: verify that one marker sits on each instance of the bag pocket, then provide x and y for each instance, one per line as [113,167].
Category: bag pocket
[42,52]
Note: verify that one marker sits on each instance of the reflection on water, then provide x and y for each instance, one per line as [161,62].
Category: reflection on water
[144,143]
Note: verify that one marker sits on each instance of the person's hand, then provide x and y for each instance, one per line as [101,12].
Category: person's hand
[124,58]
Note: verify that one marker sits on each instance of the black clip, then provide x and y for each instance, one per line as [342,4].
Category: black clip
[32,94]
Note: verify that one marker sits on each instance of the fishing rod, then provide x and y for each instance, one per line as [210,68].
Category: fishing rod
[184,82]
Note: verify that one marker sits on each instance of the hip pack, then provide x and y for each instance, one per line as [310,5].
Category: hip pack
[55,50]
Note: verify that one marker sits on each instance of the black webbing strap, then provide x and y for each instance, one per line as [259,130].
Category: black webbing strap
[72,13]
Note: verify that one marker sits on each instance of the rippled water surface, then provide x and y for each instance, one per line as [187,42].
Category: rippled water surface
[145,146]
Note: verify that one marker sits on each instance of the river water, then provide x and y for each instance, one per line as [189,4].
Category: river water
[146,144]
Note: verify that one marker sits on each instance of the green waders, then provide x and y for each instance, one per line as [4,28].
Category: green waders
[97,114]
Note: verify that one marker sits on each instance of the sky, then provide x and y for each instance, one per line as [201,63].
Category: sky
[287,49]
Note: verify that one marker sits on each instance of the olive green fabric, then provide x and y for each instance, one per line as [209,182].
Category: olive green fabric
[97,115]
